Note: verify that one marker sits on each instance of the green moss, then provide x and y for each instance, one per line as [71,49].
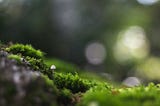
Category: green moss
[100,99]
[36,64]
[70,81]
[74,83]
[66,89]
[48,81]
[136,96]
[31,57]
[25,50]
[15,57]
[65,67]
[65,97]
[39,65]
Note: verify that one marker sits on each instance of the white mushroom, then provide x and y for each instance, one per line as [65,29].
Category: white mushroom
[53,67]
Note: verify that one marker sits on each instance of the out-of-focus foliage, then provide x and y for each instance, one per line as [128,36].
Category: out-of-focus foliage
[149,69]
[137,96]
[109,37]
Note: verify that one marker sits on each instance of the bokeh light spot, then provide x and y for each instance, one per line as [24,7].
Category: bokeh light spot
[95,53]
[93,104]
[134,37]
[149,69]
[132,44]
[131,81]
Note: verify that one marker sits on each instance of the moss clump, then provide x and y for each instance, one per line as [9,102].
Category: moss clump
[25,50]
[36,64]
[29,56]
[74,82]
[39,65]
[15,57]
[33,63]
[136,96]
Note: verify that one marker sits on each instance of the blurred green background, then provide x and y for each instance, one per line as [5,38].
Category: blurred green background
[117,39]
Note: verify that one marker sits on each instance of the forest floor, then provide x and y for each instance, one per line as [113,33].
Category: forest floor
[27,78]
